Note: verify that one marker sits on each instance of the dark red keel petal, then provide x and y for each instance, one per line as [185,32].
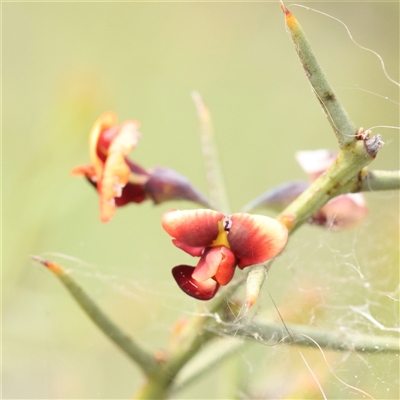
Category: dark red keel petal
[195,228]
[199,290]
[255,239]
[131,193]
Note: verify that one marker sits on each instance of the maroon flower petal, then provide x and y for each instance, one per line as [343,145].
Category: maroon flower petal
[131,193]
[199,290]
[195,228]
[255,239]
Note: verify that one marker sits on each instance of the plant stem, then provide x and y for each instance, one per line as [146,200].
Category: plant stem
[215,353]
[146,362]
[195,337]
[216,182]
[378,180]
[344,171]
[300,335]
[344,128]
[367,181]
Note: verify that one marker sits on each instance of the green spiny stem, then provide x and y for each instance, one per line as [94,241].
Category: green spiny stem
[145,361]
[344,128]
[344,170]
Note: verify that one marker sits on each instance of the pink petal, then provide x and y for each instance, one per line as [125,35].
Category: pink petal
[344,211]
[218,263]
[195,228]
[315,162]
[226,268]
[208,264]
[255,239]
[199,290]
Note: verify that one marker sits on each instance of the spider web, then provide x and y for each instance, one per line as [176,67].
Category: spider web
[353,290]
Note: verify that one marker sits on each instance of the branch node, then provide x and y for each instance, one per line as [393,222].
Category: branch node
[373,145]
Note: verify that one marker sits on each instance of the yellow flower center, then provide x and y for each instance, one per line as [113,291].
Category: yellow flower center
[223,229]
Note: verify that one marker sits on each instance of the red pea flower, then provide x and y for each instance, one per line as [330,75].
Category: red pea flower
[120,181]
[222,243]
[109,170]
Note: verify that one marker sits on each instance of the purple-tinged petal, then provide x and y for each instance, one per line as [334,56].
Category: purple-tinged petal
[136,169]
[195,228]
[278,197]
[255,239]
[166,184]
[199,290]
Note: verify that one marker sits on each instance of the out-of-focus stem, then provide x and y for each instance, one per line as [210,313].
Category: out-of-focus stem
[190,343]
[216,182]
[378,180]
[216,352]
[308,336]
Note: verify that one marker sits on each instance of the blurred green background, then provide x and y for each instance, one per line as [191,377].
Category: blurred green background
[66,63]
